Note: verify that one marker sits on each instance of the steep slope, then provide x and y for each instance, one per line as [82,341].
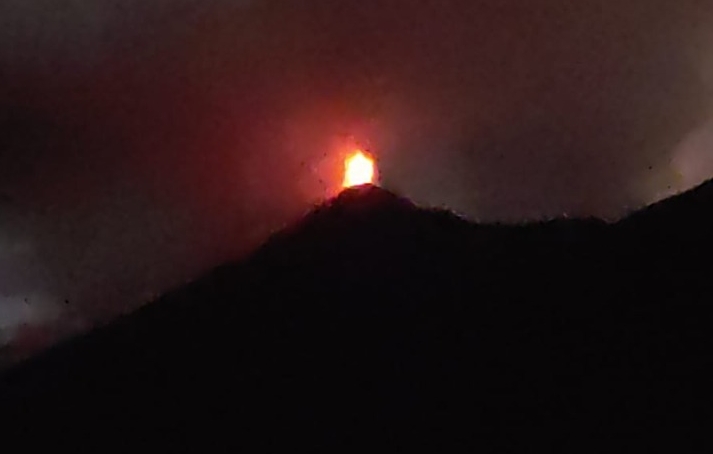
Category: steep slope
[372,320]
[686,210]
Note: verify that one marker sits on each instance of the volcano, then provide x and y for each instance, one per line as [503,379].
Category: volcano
[372,322]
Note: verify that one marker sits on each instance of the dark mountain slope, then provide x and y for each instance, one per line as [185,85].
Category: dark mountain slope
[372,320]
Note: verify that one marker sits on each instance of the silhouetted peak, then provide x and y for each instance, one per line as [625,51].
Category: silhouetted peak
[368,197]
[361,202]
[356,219]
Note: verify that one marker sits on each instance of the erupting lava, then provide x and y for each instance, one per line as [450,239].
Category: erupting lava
[359,169]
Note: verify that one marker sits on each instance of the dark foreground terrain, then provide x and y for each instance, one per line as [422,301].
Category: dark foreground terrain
[375,323]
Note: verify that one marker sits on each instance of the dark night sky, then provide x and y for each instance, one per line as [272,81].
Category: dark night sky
[143,142]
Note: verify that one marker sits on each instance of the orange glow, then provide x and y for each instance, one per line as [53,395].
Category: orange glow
[359,169]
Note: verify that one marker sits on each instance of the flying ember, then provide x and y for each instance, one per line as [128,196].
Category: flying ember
[359,169]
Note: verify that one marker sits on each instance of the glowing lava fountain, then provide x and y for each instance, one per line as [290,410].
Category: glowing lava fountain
[359,168]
